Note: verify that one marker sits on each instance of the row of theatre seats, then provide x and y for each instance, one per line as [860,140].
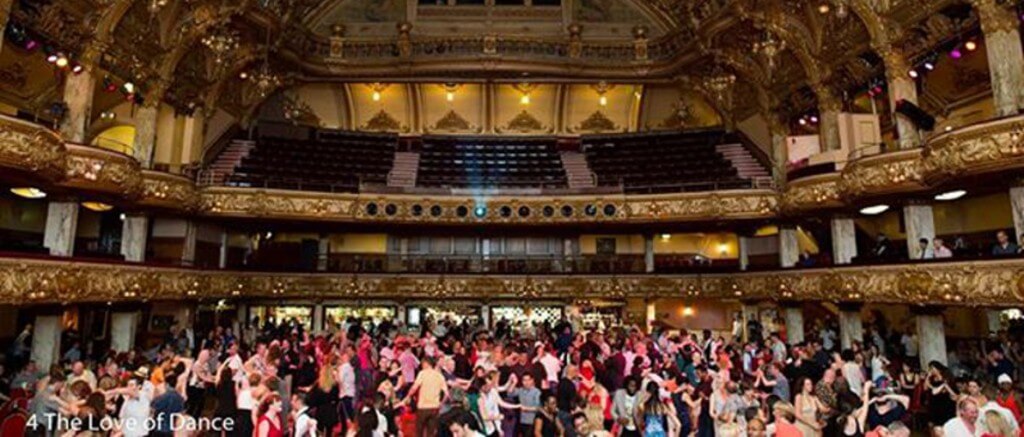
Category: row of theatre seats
[322,161]
[329,160]
[661,162]
[490,162]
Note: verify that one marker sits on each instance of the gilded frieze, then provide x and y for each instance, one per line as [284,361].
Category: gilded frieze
[988,147]
[31,148]
[887,173]
[812,193]
[94,169]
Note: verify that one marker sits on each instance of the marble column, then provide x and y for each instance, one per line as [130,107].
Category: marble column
[145,133]
[402,314]
[919,221]
[794,317]
[789,247]
[829,128]
[323,253]
[61,224]
[649,253]
[46,341]
[123,327]
[1017,206]
[780,156]
[931,336]
[744,252]
[318,319]
[78,96]
[844,240]
[851,326]
[188,247]
[222,261]
[650,315]
[134,233]
[1005,56]
[485,315]
[994,320]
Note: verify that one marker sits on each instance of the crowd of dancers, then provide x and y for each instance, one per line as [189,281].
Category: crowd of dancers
[460,379]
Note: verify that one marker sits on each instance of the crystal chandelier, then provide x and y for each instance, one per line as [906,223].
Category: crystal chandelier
[265,80]
[222,44]
[720,85]
[769,48]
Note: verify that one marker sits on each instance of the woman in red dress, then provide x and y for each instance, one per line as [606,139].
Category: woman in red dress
[269,413]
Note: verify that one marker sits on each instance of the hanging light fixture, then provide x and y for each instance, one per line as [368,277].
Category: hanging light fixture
[769,47]
[28,192]
[265,80]
[222,43]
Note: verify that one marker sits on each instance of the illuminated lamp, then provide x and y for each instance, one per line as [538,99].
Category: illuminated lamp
[723,249]
[956,53]
[928,65]
[480,211]
[525,99]
[874,210]
[97,206]
[666,237]
[77,69]
[971,46]
[31,45]
[814,119]
[62,61]
[376,96]
[603,100]
[29,192]
[243,75]
[950,195]
[52,58]
[802,121]
[129,87]
[913,74]
[449,96]
[824,8]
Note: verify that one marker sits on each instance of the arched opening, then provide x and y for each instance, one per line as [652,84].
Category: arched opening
[118,138]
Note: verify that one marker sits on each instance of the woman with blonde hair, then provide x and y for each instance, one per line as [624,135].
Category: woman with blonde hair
[323,398]
[995,425]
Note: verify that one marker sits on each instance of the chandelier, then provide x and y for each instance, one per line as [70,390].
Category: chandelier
[265,80]
[720,86]
[222,43]
[769,48]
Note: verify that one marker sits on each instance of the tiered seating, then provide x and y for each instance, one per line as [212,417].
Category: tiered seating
[325,161]
[661,162]
[490,162]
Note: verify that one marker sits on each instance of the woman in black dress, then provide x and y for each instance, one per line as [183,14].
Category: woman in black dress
[939,395]
[323,400]
[227,406]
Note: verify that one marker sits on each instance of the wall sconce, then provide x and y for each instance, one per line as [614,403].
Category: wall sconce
[525,89]
[602,88]
[723,248]
[449,91]
[378,88]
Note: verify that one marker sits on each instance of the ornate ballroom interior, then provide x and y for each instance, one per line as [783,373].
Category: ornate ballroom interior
[199,163]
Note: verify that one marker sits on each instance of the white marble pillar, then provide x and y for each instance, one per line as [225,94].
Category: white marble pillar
[485,315]
[829,129]
[902,87]
[931,336]
[323,253]
[744,252]
[919,221]
[780,154]
[1005,57]
[134,233]
[78,96]
[188,246]
[650,315]
[844,240]
[649,253]
[46,341]
[145,133]
[851,327]
[402,314]
[794,317]
[222,261]
[1017,206]
[61,224]
[789,247]
[123,327]
[318,319]
[994,320]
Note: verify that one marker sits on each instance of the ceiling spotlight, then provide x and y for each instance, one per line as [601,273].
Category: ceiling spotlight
[62,61]
[243,75]
[31,45]
[29,192]
[814,119]
[950,195]
[802,121]
[52,58]
[913,74]
[480,211]
[956,53]
[949,128]
[874,210]
[971,46]
[129,88]
[928,65]
[77,69]
[824,8]
[97,206]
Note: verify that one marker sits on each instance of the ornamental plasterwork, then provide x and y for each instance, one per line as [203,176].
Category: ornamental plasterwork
[978,283]
[524,122]
[384,122]
[597,122]
[92,168]
[880,174]
[812,193]
[25,146]
[453,122]
[987,147]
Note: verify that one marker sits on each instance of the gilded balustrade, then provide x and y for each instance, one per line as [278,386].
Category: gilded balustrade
[36,152]
[977,283]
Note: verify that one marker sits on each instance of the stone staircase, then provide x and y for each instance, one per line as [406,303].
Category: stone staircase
[222,168]
[577,171]
[747,167]
[404,170]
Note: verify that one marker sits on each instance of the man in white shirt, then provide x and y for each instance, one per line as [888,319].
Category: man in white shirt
[552,366]
[305,426]
[963,425]
[138,394]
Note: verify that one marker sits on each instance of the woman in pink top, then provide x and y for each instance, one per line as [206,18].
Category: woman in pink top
[785,414]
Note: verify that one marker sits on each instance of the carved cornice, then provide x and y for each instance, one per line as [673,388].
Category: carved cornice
[979,283]
[168,191]
[879,175]
[30,148]
[991,147]
[812,193]
[102,171]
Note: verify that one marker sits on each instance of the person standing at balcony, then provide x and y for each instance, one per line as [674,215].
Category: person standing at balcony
[924,250]
[940,250]
[1003,246]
